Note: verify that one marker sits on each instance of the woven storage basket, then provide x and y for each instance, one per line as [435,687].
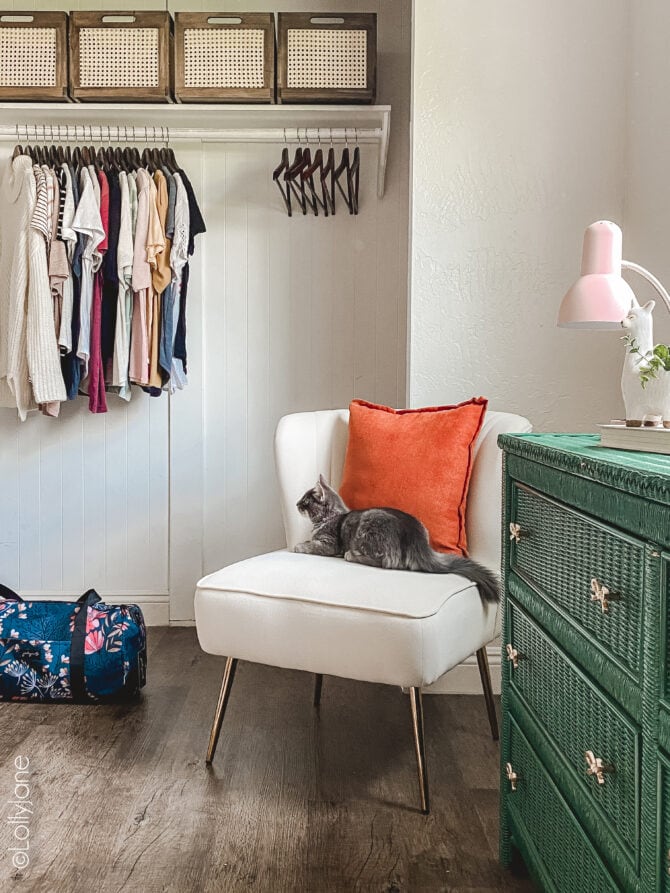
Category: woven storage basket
[33,56]
[224,57]
[121,56]
[327,58]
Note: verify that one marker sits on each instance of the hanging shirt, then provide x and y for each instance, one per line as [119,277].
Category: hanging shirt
[178,259]
[141,283]
[18,195]
[196,227]
[96,386]
[43,354]
[124,307]
[161,277]
[87,221]
[110,280]
[69,239]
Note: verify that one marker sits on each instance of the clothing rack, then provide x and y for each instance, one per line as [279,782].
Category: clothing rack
[71,131]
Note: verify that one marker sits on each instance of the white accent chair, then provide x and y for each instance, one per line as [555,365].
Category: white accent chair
[332,617]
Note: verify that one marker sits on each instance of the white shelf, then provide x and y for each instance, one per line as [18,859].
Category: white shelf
[69,122]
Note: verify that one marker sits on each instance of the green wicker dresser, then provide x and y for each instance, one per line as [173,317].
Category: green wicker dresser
[586,672]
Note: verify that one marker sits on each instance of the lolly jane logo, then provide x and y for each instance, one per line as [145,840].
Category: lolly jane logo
[19,814]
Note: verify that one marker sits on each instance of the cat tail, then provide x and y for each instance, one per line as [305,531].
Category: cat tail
[485,580]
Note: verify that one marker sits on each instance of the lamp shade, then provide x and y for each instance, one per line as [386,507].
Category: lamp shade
[600,298]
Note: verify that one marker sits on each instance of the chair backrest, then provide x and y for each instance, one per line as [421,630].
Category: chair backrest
[311,443]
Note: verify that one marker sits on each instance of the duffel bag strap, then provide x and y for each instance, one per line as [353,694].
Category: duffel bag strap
[78,643]
[8,594]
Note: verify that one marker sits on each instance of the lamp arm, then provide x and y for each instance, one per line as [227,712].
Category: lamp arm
[636,268]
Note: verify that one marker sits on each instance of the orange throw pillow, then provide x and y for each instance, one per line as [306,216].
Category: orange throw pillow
[415,460]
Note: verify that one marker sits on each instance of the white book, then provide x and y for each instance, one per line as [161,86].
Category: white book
[646,440]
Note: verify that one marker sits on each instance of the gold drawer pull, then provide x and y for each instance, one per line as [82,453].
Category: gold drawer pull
[513,655]
[515,532]
[599,593]
[596,766]
[511,776]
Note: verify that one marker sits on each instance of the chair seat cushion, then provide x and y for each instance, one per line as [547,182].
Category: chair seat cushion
[326,615]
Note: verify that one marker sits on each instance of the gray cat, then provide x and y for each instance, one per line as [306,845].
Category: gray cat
[382,537]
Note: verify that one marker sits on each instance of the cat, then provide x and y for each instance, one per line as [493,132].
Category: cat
[381,537]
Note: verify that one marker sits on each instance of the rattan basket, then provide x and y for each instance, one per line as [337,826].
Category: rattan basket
[33,56]
[329,58]
[224,57]
[121,56]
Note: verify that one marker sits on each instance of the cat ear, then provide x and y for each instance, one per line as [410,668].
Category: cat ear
[318,489]
[323,482]
[649,306]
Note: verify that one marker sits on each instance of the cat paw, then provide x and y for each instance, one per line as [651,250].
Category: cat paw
[302,547]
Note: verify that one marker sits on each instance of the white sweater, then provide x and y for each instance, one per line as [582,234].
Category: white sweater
[17,202]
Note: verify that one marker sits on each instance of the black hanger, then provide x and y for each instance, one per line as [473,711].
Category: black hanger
[328,173]
[147,160]
[276,175]
[308,177]
[353,179]
[18,150]
[60,154]
[303,159]
[344,166]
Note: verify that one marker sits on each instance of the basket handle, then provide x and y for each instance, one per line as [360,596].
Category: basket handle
[224,20]
[327,20]
[122,19]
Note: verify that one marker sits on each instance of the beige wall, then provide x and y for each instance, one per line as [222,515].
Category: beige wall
[518,143]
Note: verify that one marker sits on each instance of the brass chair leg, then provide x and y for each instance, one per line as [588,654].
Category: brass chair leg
[485,673]
[224,694]
[318,683]
[417,723]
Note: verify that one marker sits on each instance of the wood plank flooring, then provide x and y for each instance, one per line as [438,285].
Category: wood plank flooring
[295,800]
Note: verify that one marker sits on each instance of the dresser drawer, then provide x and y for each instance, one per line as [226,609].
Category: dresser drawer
[665,631]
[559,552]
[579,718]
[663,843]
[543,817]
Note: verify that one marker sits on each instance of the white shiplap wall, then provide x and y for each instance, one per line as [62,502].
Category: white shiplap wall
[284,315]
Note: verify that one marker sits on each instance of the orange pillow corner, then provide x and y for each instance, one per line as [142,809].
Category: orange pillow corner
[416,460]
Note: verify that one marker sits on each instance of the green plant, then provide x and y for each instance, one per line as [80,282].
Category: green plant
[651,363]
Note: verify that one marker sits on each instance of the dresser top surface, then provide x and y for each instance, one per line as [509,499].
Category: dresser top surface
[647,474]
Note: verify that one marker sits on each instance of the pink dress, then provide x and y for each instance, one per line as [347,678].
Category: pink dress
[96,387]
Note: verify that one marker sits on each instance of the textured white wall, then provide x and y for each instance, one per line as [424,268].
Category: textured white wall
[518,144]
[647,195]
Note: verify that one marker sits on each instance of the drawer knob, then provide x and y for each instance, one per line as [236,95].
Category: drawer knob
[515,532]
[599,593]
[512,655]
[596,767]
[511,776]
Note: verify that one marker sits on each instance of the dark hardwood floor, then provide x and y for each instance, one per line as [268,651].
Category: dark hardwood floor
[295,801]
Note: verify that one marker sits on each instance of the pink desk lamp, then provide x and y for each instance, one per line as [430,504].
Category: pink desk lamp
[600,298]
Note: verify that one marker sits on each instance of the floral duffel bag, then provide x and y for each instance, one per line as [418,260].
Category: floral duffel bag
[70,651]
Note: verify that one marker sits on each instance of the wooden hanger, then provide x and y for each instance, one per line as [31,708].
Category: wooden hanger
[308,177]
[353,178]
[303,159]
[344,167]
[328,181]
[283,166]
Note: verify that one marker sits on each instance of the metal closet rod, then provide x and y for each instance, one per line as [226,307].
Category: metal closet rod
[132,134]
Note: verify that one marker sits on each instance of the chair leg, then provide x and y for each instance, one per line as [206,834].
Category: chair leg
[318,683]
[224,695]
[484,672]
[417,723]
